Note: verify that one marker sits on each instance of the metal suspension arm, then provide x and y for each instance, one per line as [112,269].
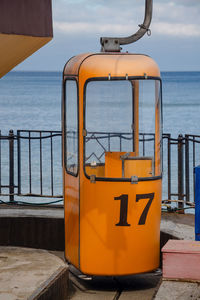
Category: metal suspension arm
[110,44]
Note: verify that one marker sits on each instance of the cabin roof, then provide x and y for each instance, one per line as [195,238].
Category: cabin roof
[115,64]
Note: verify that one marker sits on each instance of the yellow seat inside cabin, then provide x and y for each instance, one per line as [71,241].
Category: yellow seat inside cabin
[114,165]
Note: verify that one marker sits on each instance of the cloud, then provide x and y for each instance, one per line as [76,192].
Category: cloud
[176,29]
[87,28]
[121,17]
[177,12]
[159,28]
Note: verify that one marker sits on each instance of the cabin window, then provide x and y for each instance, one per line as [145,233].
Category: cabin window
[122,128]
[71,127]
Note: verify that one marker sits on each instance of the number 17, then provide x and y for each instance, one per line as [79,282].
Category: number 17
[124,208]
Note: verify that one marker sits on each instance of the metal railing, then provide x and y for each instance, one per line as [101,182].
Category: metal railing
[31,164]
[115,140]
[181,156]
[34,165]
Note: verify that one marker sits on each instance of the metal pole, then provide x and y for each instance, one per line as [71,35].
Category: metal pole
[180,173]
[112,44]
[187,170]
[169,165]
[19,161]
[11,165]
[0,161]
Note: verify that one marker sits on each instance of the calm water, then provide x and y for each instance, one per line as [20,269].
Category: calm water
[32,100]
[181,102]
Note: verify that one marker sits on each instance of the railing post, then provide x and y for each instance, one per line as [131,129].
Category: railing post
[19,161]
[187,169]
[180,173]
[169,164]
[11,165]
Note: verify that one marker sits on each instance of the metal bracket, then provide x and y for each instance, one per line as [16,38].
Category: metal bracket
[125,156]
[134,179]
[112,44]
[92,178]
[84,277]
[84,133]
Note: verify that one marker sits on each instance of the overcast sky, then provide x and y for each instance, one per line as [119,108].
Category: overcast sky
[79,24]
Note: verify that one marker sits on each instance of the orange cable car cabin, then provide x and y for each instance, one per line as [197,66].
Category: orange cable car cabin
[112,129]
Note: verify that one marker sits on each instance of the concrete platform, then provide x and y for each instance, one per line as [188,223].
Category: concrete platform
[175,290]
[44,228]
[178,226]
[31,274]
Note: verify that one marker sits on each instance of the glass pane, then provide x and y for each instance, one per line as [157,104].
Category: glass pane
[122,119]
[71,127]
[109,118]
[109,103]
[149,123]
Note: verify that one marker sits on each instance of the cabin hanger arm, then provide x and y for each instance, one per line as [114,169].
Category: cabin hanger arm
[112,44]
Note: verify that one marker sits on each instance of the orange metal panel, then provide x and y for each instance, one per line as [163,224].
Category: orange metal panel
[136,116]
[120,64]
[71,208]
[98,171]
[73,65]
[157,133]
[138,167]
[107,249]
[113,164]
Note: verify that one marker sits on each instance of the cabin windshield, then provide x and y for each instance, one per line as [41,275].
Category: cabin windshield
[122,128]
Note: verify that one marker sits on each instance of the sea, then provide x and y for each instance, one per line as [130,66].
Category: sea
[32,101]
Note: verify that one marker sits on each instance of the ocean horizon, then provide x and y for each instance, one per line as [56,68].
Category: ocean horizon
[24,96]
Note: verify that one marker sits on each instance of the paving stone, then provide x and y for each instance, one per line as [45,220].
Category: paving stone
[23,270]
[175,290]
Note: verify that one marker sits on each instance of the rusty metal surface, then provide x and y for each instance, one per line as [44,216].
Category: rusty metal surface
[26,17]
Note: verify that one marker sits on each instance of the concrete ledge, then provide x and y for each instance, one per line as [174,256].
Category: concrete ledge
[55,288]
[43,228]
[178,226]
[32,274]
[32,227]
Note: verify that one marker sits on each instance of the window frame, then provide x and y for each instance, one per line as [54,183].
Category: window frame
[112,78]
[70,78]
